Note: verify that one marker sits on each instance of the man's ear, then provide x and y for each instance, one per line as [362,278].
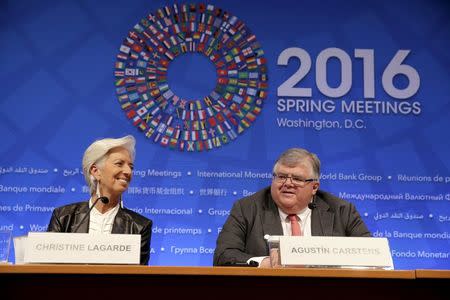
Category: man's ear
[315,187]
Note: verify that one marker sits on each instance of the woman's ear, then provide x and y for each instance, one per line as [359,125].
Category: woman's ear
[95,171]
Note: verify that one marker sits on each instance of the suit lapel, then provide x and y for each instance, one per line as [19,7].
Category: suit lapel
[79,214]
[121,224]
[271,219]
[321,219]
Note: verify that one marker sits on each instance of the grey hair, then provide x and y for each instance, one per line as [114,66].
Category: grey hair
[97,153]
[295,156]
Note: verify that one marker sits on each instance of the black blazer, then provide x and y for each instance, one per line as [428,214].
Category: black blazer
[67,218]
[242,236]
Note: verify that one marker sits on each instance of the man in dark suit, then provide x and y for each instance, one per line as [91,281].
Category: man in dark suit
[292,203]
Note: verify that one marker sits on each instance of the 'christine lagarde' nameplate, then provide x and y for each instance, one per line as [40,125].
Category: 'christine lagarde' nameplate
[346,252]
[82,248]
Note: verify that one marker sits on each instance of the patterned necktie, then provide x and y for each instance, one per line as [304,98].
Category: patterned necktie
[295,226]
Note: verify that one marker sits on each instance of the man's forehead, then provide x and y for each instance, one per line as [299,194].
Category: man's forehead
[299,167]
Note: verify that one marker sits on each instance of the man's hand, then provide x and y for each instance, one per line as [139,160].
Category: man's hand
[265,263]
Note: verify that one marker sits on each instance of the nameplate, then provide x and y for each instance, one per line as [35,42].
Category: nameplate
[315,251]
[82,248]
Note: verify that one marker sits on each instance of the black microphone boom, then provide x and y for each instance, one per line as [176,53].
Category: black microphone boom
[312,204]
[104,199]
[235,263]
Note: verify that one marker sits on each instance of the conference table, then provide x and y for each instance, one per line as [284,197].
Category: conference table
[113,281]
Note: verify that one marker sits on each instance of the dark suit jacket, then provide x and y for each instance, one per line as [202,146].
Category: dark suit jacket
[67,219]
[242,236]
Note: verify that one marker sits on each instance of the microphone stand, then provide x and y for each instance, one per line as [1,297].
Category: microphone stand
[104,199]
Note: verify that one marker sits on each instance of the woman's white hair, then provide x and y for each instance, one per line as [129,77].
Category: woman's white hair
[97,153]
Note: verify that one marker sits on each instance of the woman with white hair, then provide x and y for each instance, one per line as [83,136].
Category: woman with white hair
[107,168]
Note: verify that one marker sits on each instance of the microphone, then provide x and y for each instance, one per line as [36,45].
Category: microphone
[104,199]
[312,204]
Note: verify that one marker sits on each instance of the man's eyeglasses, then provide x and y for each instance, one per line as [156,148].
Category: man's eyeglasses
[295,180]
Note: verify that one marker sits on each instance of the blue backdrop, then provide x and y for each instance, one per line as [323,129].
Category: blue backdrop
[364,84]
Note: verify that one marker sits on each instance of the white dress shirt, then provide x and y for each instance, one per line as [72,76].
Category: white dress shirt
[304,219]
[101,223]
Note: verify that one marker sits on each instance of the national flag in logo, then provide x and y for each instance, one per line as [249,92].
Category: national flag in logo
[176,28]
[262,94]
[119,65]
[124,49]
[133,97]
[199,145]
[136,120]
[210,111]
[173,143]
[154,93]
[170,131]
[136,47]
[232,81]
[222,72]
[224,139]
[122,56]
[181,145]
[251,92]
[177,133]
[247,51]
[190,146]
[141,111]
[186,135]
[232,134]
[125,105]
[119,73]
[169,55]
[120,90]
[261,61]
[251,117]
[131,114]
[245,123]
[164,141]
[227,125]
[142,89]
[208,144]
[222,80]
[237,99]
[216,142]
[232,73]
[220,129]
[149,133]
[134,55]
[194,135]
[212,121]
[164,63]
[130,80]
[123,97]
[141,64]
[202,114]
[262,85]
[204,134]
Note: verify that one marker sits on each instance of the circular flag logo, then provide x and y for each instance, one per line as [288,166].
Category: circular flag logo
[170,120]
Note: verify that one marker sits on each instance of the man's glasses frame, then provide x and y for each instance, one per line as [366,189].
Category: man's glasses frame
[297,181]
